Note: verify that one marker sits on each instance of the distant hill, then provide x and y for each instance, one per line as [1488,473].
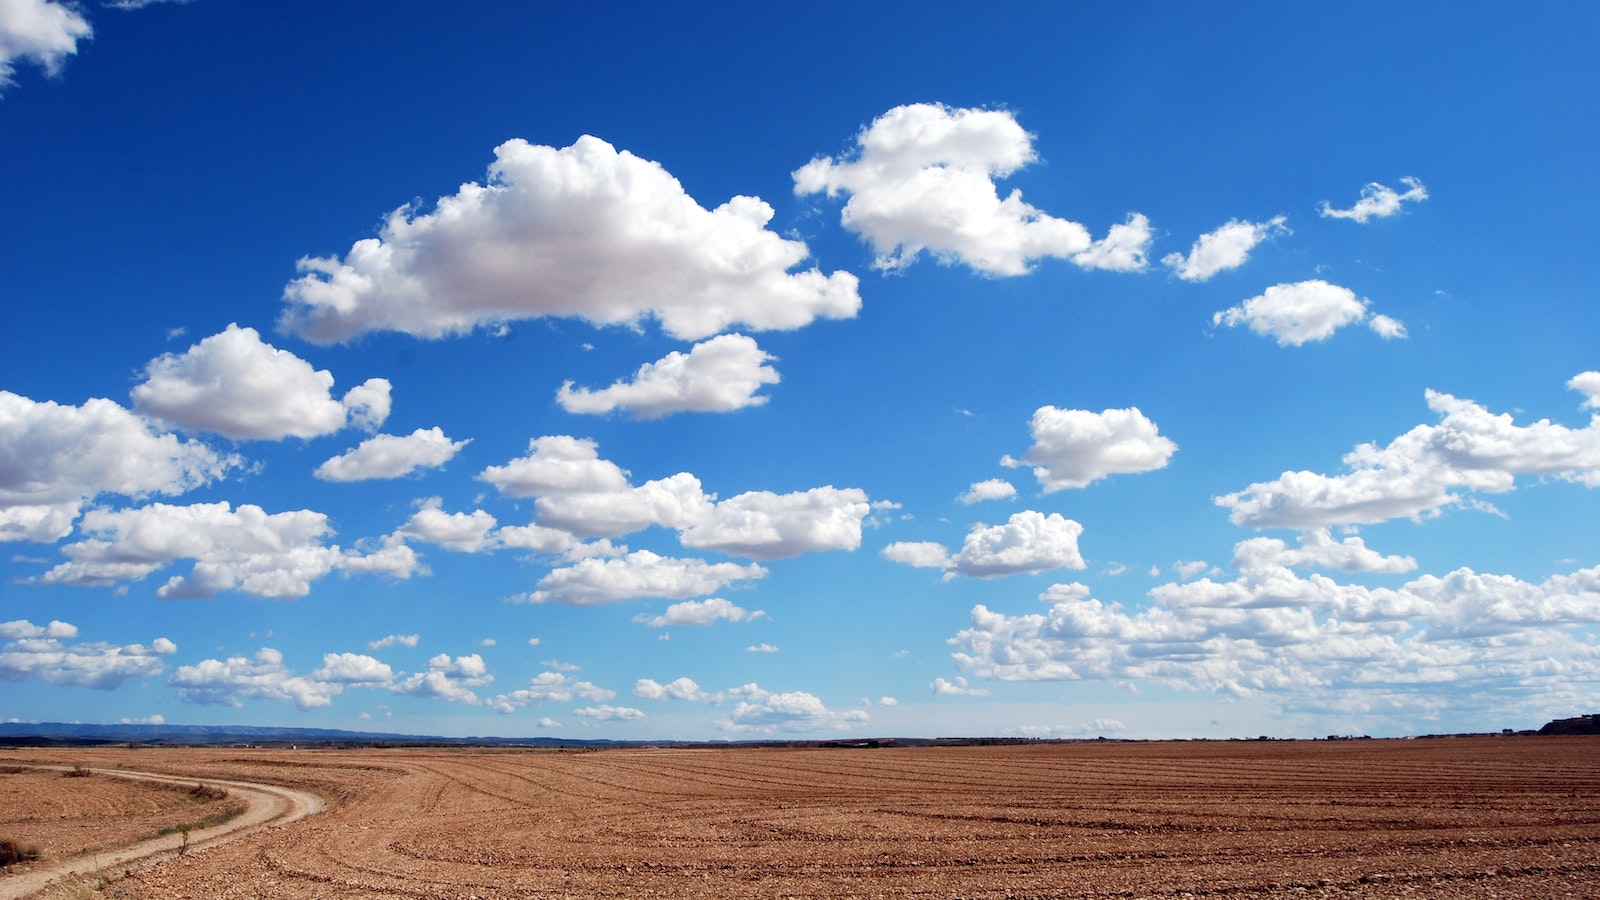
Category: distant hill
[33,734]
[1589,724]
[16,733]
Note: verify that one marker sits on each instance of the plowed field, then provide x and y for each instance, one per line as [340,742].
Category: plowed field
[1463,817]
[65,814]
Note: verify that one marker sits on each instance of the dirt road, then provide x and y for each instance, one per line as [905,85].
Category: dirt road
[265,805]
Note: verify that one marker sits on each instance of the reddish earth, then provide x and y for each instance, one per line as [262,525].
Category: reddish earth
[62,815]
[1513,817]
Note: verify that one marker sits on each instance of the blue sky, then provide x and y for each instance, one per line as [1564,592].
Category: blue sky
[1140,370]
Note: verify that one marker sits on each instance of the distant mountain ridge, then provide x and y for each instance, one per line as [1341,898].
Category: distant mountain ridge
[20,732]
[35,733]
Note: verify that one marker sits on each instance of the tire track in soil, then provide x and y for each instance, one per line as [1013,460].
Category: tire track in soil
[266,805]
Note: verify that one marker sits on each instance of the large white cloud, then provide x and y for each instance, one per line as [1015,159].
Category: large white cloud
[1029,541]
[231,681]
[1309,642]
[1304,311]
[678,689]
[765,712]
[54,459]
[353,669]
[558,464]
[718,375]
[447,679]
[582,231]
[1377,201]
[1122,249]
[578,492]
[763,525]
[42,652]
[264,676]
[464,532]
[392,456]
[1424,470]
[246,549]
[638,574]
[1226,248]
[1075,447]
[675,502]
[42,32]
[921,178]
[920,554]
[1319,549]
[235,384]
[549,687]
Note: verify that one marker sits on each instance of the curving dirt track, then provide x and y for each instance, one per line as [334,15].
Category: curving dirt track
[1465,817]
[263,804]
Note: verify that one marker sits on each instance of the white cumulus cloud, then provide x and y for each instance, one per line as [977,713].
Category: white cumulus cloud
[43,653]
[1029,541]
[246,549]
[231,681]
[992,489]
[1309,642]
[462,532]
[764,712]
[235,384]
[957,688]
[1226,248]
[699,612]
[1424,470]
[353,669]
[921,178]
[447,679]
[578,492]
[392,456]
[920,554]
[549,687]
[638,574]
[718,375]
[54,459]
[1377,201]
[679,689]
[763,525]
[1074,447]
[1588,384]
[42,32]
[558,464]
[583,231]
[1305,311]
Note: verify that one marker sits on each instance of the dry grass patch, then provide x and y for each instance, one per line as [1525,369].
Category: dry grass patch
[13,851]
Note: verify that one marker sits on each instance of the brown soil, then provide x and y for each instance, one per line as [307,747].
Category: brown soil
[1464,817]
[63,815]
